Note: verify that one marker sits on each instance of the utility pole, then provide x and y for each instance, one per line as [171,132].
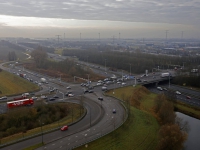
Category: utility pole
[58,37]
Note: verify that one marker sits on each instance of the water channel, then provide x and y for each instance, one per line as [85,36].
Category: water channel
[193,140]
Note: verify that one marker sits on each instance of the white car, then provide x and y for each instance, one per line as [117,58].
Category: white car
[177,92]
[99,83]
[123,83]
[159,88]
[70,95]
[68,87]
[34,98]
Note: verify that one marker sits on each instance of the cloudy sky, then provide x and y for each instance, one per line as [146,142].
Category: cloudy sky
[130,18]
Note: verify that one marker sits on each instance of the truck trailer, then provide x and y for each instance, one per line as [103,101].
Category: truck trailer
[167,74]
[22,102]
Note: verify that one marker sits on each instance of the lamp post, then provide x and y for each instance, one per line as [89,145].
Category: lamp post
[41,124]
[105,64]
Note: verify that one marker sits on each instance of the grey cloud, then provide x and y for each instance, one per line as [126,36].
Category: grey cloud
[159,11]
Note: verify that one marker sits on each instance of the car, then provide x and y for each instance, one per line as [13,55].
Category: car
[188,97]
[123,83]
[4,97]
[68,87]
[25,94]
[55,96]
[159,88]
[70,95]
[154,77]
[118,82]
[86,91]
[52,99]
[139,80]
[177,92]
[90,91]
[99,83]
[64,128]
[144,80]
[114,111]
[100,98]
[44,96]
[165,89]
[34,98]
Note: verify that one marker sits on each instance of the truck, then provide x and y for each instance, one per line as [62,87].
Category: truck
[167,74]
[22,75]
[43,80]
[19,98]
[22,102]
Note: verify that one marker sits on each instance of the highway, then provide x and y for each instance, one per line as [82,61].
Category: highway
[98,121]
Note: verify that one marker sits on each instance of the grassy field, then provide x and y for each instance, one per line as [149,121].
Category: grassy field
[139,132]
[11,84]
[65,121]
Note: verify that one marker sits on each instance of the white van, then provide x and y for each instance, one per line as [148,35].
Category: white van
[25,94]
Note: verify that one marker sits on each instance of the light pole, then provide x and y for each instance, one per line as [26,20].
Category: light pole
[105,64]
[88,79]
[62,94]
[169,80]
[130,69]
[41,124]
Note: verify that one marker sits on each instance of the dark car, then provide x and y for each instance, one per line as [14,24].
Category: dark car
[86,91]
[100,98]
[114,111]
[52,99]
[90,91]
[55,96]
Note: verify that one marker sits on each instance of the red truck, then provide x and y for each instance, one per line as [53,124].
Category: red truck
[23,102]
[19,98]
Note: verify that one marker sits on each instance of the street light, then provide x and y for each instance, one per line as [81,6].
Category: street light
[41,124]
[105,64]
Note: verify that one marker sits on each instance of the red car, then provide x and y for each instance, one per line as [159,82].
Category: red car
[64,128]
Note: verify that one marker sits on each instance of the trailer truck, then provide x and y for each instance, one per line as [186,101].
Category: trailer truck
[22,102]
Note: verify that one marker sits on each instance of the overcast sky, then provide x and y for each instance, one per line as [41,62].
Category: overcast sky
[130,18]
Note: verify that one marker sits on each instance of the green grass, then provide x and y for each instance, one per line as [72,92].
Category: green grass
[33,147]
[11,84]
[139,132]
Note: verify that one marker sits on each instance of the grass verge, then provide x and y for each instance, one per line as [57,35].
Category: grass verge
[34,147]
[11,84]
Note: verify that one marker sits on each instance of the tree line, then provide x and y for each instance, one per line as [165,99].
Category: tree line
[67,68]
[137,61]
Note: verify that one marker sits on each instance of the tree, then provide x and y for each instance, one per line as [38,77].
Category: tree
[171,137]
[40,57]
